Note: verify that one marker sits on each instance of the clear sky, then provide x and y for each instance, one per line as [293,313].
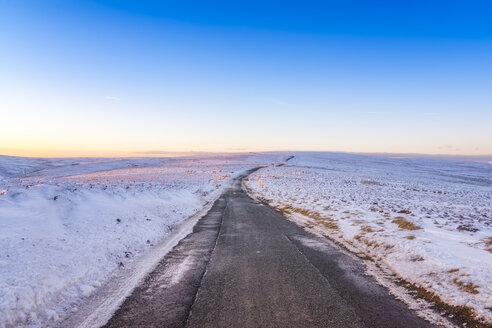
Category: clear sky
[144,77]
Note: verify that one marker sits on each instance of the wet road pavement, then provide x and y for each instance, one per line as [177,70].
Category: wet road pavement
[246,265]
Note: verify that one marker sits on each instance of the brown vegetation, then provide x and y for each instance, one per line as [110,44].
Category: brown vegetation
[327,222]
[405,224]
[366,229]
[372,243]
[462,314]
[417,258]
[467,287]
[488,243]
[466,227]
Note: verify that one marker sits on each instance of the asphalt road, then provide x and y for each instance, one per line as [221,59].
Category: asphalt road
[246,265]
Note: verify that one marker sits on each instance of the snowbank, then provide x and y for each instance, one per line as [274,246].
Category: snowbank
[65,231]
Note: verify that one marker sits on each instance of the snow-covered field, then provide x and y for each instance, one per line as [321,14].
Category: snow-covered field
[428,221]
[68,225]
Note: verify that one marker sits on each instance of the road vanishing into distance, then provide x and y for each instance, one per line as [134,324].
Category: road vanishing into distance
[246,265]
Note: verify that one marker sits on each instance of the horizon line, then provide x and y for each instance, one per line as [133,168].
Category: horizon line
[171,154]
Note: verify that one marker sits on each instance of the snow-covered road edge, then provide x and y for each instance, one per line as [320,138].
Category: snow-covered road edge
[383,276]
[70,228]
[428,221]
[98,309]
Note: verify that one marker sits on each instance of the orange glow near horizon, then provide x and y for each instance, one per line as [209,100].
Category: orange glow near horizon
[60,153]
[64,153]
[89,86]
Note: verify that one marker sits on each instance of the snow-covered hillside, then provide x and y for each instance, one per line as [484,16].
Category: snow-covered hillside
[66,225]
[429,221]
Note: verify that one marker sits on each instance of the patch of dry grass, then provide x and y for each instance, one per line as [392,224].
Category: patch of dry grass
[467,287]
[330,224]
[417,258]
[372,243]
[366,229]
[466,227]
[462,314]
[405,224]
[357,221]
[317,218]
[488,243]
[411,237]
[388,246]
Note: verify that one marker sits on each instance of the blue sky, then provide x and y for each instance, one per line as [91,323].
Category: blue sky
[131,77]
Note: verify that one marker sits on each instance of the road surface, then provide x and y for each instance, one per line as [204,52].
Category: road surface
[246,265]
